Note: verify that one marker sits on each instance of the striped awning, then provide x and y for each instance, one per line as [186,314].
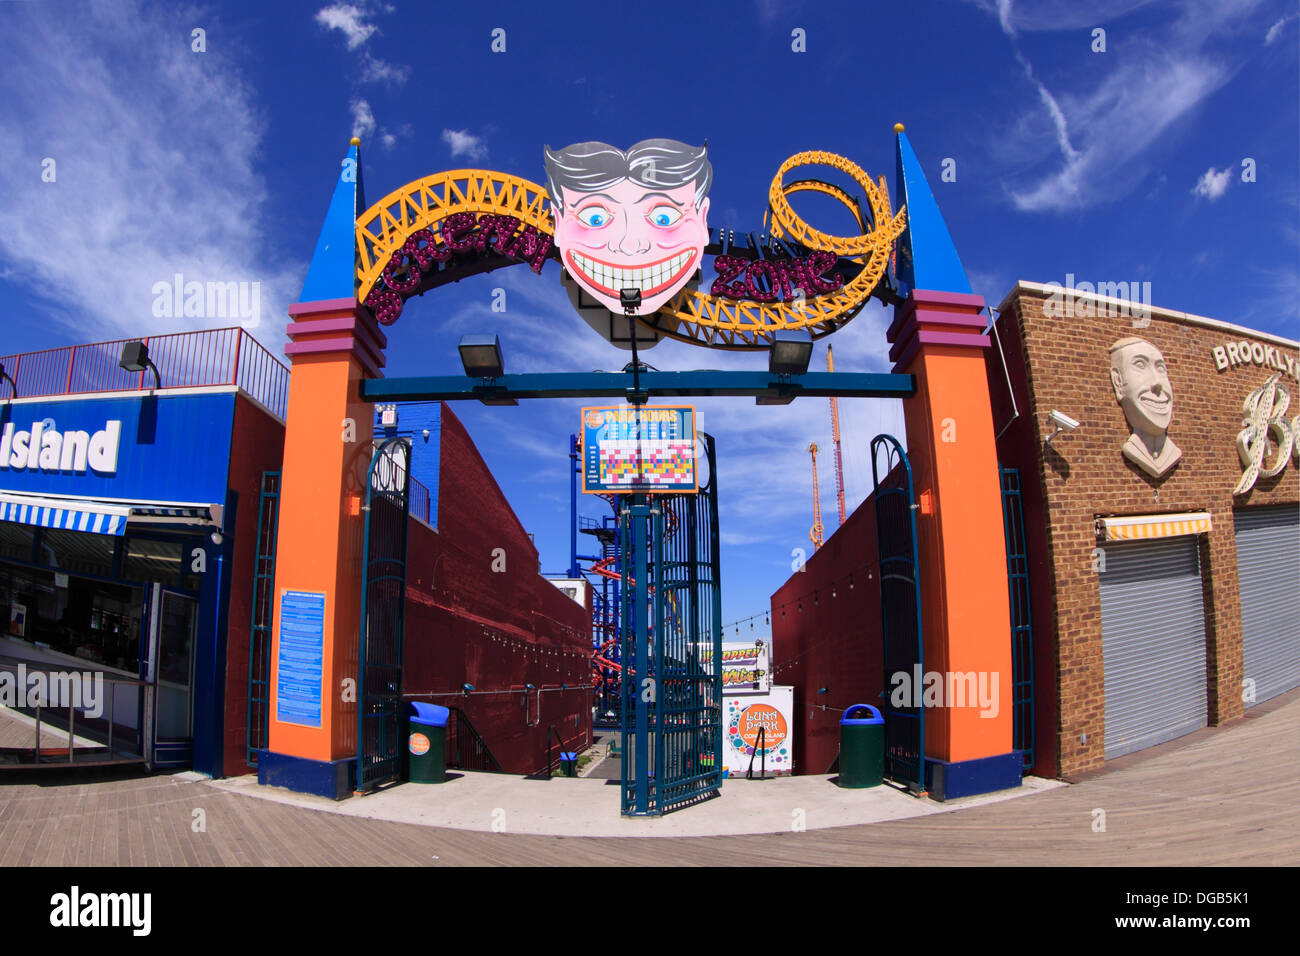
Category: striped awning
[96,517]
[101,517]
[1144,527]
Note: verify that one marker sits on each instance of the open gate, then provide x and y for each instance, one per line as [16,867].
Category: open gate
[383,615]
[900,609]
[671,647]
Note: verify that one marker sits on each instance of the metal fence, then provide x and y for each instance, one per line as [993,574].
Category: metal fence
[184,360]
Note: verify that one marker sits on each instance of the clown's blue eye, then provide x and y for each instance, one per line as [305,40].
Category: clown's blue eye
[594,216]
[664,216]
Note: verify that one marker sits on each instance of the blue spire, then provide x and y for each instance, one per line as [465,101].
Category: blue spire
[927,258]
[333,270]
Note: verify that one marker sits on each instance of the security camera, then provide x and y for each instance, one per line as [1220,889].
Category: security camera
[1062,420]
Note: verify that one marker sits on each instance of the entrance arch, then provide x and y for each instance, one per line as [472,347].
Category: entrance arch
[787,277]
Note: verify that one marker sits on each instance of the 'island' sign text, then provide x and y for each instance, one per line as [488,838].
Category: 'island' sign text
[45,448]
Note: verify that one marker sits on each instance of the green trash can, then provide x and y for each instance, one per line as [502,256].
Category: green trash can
[862,747]
[569,763]
[426,742]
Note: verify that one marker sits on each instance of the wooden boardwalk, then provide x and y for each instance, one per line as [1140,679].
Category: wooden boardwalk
[1223,796]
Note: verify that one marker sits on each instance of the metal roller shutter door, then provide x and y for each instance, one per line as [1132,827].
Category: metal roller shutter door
[1268,572]
[1153,643]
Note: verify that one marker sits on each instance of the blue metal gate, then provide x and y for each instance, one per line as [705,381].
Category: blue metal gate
[671,648]
[383,616]
[1022,634]
[900,611]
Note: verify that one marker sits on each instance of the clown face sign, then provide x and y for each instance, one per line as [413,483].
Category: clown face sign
[630,226]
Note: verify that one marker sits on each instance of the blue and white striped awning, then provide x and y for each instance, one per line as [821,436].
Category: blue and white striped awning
[102,517]
[96,517]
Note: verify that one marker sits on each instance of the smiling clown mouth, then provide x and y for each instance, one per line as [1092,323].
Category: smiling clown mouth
[649,279]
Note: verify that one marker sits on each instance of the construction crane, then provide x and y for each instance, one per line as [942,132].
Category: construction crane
[816,532]
[835,434]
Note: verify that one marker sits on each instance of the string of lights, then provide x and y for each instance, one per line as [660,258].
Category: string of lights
[847,581]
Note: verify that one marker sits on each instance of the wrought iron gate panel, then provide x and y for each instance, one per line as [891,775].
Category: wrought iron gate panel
[383,616]
[900,609]
[259,634]
[1022,632]
[672,675]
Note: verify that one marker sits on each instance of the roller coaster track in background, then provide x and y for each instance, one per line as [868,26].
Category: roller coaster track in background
[416,213]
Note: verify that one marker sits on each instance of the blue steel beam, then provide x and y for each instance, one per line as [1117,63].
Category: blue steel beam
[447,388]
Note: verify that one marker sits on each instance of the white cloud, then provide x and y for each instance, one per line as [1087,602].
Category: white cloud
[1212,183]
[1276,29]
[348,19]
[464,143]
[352,20]
[1055,15]
[363,119]
[1004,17]
[1154,78]
[375,70]
[154,149]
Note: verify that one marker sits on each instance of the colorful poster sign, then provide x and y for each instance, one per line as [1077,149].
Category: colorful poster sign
[745,667]
[630,449]
[743,719]
[301,659]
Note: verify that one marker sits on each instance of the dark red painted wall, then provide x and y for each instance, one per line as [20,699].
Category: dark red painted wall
[1017,448]
[479,612]
[834,642]
[258,446]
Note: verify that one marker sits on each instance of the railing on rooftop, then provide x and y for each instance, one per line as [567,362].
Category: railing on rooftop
[418,499]
[184,359]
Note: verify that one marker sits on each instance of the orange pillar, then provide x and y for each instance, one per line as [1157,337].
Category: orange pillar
[327,450]
[939,338]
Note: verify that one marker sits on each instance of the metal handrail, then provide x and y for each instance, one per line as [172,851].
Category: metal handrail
[488,761]
[111,681]
[760,746]
[551,729]
[184,360]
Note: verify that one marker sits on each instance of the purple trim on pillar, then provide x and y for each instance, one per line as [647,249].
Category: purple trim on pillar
[325,305]
[936,308]
[337,325]
[373,338]
[936,318]
[347,344]
[932,335]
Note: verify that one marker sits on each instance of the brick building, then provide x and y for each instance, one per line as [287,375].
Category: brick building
[1137,574]
[1152,592]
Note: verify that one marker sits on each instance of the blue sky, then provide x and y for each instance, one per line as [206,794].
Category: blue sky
[1123,165]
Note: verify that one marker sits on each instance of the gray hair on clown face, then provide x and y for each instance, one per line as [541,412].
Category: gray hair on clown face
[661,163]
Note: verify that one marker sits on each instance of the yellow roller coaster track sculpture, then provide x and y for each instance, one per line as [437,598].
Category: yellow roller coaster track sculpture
[386,229]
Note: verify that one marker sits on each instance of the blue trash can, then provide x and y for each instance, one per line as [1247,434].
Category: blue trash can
[862,747]
[426,742]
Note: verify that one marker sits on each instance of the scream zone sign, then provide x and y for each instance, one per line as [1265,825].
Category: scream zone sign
[630,228]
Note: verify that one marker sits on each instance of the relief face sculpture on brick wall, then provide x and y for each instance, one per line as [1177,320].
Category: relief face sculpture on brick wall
[1141,382]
